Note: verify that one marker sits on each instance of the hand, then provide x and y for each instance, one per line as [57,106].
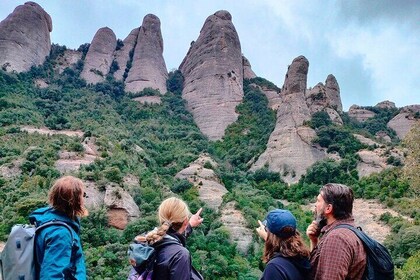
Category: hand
[195,219]
[261,231]
[313,233]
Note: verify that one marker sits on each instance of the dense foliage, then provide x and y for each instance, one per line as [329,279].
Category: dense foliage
[151,143]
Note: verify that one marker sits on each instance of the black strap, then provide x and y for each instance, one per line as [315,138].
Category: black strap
[70,271]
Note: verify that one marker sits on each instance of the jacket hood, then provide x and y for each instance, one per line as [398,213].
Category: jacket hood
[46,214]
[303,264]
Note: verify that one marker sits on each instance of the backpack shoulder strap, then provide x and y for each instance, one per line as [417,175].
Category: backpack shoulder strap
[72,269]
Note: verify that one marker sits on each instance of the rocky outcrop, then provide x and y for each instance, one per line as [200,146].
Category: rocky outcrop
[289,148]
[122,56]
[403,122]
[386,105]
[213,73]
[248,73]
[375,161]
[273,95]
[99,57]
[148,68]
[121,207]
[383,136]
[360,114]
[235,223]
[25,38]
[333,93]
[210,189]
[68,59]
[326,98]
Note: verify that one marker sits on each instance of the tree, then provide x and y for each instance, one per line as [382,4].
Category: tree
[412,163]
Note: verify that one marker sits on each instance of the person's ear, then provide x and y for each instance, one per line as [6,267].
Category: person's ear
[328,209]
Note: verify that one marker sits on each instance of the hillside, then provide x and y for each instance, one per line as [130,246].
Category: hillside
[140,135]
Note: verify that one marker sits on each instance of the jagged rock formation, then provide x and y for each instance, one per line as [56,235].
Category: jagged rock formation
[236,225]
[122,56]
[289,148]
[326,98]
[99,57]
[148,68]
[25,38]
[386,105]
[248,73]
[213,73]
[360,114]
[403,122]
[68,59]
[210,189]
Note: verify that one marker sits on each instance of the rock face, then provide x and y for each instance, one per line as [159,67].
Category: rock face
[375,161]
[122,56]
[360,114]
[289,149]
[386,105]
[121,207]
[210,189]
[25,38]
[248,73]
[148,69]
[403,122]
[326,98]
[68,59]
[99,57]
[236,225]
[272,95]
[213,73]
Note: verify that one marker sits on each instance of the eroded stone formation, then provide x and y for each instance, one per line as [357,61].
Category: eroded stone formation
[213,73]
[289,149]
[25,38]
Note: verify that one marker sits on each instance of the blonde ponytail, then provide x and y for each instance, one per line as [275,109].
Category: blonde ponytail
[172,214]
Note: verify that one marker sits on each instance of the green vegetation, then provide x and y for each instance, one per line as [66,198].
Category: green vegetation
[151,143]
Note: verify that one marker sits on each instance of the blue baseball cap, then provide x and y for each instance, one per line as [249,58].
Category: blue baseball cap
[279,219]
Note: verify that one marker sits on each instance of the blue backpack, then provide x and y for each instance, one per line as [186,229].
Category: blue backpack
[142,257]
[17,260]
[379,263]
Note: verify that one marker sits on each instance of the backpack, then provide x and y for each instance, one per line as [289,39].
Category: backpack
[142,257]
[17,260]
[379,263]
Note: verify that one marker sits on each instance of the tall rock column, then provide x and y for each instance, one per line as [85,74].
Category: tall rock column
[25,38]
[213,73]
[289,149]
[122,56]
[99,57]
[148,69]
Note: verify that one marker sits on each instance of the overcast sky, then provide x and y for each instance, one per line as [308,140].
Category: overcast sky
[372,47]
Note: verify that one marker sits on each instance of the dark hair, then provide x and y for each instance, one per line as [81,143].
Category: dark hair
[287,247]
[66,196]
[340,197]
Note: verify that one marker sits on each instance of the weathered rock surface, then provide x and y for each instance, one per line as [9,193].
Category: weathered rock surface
[383,135]
[11,170]
[360,114]
[122,56]
[289,148]
[121,207]
[47,131]
[68,59]
[272,95]
[148,69]
[333,93]
[403,122]
[25,38]
[236,225]
[365,140]
[248,73]
[386,105]
[213,73]
[375,161]
[99,56]
[210,189]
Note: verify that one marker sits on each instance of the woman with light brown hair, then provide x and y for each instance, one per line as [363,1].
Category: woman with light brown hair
[285,253]
[173,260]
[58,249]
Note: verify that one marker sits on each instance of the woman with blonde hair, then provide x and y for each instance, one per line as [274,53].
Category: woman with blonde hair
[58,249]
[173,260]
[285,253]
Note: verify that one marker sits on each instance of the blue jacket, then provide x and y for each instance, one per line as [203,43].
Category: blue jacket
[54,243]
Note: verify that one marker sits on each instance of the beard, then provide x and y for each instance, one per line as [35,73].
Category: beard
[320,218]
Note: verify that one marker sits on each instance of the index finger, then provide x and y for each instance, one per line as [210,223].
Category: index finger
[261,224]
[199,212]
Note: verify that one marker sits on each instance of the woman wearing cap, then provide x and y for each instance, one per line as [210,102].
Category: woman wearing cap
[173,260]
[285,253]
